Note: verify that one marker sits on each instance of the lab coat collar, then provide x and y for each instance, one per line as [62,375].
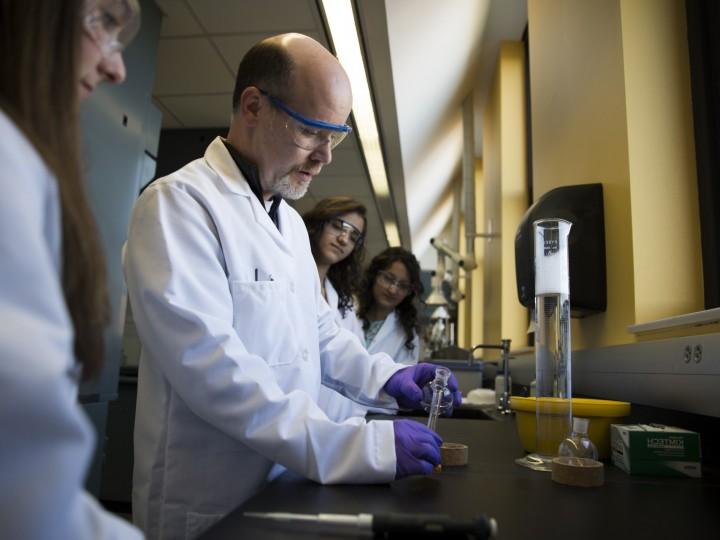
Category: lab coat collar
[250,171]
[219,159]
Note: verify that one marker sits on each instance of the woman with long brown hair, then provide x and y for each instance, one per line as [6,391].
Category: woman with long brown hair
[53,299]
[336,227]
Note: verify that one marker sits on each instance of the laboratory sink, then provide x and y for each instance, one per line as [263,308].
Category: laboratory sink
[469,412]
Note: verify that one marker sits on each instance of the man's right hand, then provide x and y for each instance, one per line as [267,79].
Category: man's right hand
[417,448]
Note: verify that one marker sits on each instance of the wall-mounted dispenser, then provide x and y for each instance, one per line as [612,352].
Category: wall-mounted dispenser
[582,205]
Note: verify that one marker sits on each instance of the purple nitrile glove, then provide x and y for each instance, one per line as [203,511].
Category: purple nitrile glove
[417,448]
[406,385]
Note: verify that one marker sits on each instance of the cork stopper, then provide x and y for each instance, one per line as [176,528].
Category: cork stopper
[575,471]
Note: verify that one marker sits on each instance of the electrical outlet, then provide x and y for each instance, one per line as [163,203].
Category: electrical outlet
[687,354]
[697,354]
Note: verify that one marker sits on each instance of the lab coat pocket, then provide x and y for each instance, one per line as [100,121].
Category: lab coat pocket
[260,318]
[196,524]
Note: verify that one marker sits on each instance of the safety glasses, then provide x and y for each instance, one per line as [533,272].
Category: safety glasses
[308,133]
[112,24]
[387,280]
[340,227]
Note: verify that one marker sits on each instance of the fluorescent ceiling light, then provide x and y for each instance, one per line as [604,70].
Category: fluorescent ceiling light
[393,236]
[341,22]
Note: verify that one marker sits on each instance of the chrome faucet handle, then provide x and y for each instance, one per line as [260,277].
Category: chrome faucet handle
[505,398]
[504,347]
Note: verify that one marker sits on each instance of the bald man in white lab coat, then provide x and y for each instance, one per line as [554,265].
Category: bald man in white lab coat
[236,338]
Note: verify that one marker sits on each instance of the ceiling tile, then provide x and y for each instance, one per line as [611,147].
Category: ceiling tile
[345,163]
[190,66]
[304,204]
[233,48]
[232,16]
[200,111]
[352,186]
[373,248]
[177,19]
[169,121]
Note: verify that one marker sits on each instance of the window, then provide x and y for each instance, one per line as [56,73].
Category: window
[703,20]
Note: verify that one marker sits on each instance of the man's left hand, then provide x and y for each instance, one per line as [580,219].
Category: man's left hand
[406,385]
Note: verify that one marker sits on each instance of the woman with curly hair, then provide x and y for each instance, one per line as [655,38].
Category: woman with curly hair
[336,227]
[387,305]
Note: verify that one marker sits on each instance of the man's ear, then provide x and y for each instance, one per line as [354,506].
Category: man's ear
[251,103]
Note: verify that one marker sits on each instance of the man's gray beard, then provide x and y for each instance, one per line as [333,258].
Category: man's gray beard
[286,190]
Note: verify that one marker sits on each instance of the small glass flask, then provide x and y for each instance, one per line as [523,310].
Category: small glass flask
[437,398]
[578,444]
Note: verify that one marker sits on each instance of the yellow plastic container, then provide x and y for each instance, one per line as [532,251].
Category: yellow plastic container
[600,412]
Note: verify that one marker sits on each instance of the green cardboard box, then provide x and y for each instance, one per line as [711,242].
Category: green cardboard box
[654,449]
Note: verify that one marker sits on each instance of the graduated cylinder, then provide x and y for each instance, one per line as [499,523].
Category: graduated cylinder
[552,336]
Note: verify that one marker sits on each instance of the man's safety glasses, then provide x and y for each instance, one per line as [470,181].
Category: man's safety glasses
[340,227]
[307,133]
[387,280]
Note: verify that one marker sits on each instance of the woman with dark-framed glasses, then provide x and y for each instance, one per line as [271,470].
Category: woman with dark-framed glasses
[387,305]
[336,227]
[53,299]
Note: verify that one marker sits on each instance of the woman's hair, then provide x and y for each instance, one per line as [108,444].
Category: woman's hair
[406,310]
[39,73]
[344,275]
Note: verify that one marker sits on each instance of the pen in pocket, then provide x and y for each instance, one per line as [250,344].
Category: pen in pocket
[262,276]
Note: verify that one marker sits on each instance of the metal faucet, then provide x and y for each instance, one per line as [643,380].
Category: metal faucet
[504,405]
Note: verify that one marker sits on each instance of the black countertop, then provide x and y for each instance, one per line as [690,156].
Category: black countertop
[525,503]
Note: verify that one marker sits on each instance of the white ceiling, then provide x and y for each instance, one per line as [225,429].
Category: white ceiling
[424,58]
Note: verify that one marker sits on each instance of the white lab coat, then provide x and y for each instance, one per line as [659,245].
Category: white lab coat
[46,440]
[391,339]
[335,405]
[235,340]
[347,320]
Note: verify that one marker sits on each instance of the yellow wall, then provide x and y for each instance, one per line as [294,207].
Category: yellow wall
[465,306]
[470,310]
[610,103]
[663,183]
[476,324]
[505,197]
[579,133]
[492,270]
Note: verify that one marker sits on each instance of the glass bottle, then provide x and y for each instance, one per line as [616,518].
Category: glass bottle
[553,405]
[578,444]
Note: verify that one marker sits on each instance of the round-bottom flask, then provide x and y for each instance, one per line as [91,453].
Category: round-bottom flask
[578,444]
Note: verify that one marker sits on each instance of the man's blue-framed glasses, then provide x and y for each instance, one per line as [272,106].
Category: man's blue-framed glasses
[308,133]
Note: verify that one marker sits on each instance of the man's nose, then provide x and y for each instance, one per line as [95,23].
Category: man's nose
[323,153]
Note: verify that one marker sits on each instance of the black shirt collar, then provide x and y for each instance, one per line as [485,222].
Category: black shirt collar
[250,172]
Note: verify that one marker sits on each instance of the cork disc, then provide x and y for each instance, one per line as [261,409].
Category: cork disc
[454,454]
[581,472]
